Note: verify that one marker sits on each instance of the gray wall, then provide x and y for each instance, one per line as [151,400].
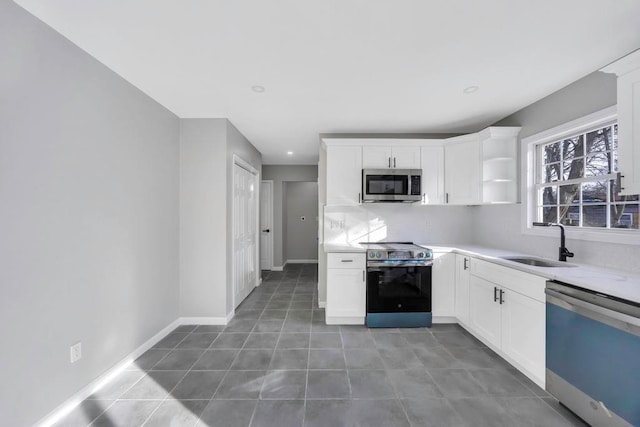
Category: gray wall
[207,147]
[301,236]
[203,219]
[587,95]
[280,174]
[88,217]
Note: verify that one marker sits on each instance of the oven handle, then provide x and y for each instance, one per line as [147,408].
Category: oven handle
[392,265]
[596,312]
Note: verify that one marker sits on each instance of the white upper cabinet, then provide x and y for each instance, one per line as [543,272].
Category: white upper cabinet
[376,157]
[432,175]
[406,157]
[628,71]
[499,157]
[390,157]
[462,170]
[344,175]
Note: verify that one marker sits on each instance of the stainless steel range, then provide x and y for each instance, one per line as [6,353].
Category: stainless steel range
[398,285]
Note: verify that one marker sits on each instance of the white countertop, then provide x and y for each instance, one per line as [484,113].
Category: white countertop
[617,283]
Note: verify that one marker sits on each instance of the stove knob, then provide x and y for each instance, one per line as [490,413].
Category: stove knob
[372,255]
[379,255]
[422,255]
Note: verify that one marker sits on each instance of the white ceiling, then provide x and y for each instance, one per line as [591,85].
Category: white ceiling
[339,66]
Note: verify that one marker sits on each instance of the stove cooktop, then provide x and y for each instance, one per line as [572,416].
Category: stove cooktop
[396,250]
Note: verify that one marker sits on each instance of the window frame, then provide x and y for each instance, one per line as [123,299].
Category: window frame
[529,187]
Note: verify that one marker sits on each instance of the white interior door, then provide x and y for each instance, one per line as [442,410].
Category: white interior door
[266,225]
[245,230]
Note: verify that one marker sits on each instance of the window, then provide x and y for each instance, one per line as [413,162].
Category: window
[575,181]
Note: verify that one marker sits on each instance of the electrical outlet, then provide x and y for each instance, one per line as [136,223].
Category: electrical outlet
[76,352]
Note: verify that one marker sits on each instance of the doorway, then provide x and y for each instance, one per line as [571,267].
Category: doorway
[300,220]
[266,225]
[245,229]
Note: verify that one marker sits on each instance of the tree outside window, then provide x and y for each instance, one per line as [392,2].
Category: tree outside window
[577,184]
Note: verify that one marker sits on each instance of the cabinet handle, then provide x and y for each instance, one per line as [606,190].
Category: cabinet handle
[394,162]
[359,198]
[363,278]
[389,162]
[466,260]
[446,197]
[495,294]
[424,197]
[346,260]
[501,296]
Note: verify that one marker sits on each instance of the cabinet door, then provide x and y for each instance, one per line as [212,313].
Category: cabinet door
[484,312]
[344,175]
[432,161]
[443,285]
[462,173]
[629,131]
[463,265]
[405,157]
[346,292]
[523,332]
[376,157]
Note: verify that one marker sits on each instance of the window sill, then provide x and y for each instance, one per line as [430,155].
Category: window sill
[630,237]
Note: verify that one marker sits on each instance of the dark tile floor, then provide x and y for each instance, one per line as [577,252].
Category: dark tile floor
[278,364]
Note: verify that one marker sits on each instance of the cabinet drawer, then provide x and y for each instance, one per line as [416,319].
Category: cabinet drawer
[515,280]
[346,260]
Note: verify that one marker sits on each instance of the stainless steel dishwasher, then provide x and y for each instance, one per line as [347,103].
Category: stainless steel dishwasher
[593,354]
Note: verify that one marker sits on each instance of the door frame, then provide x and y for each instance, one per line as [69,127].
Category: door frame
[271,233]
[240,162]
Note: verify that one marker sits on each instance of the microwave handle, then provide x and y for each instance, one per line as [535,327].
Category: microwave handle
[359,197]
[389,162]
[394,162]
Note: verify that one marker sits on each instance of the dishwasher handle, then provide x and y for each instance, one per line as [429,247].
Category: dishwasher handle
[625,320]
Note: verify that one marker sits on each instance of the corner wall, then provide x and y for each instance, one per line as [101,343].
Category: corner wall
[88,217]
[207,147]
[500,225]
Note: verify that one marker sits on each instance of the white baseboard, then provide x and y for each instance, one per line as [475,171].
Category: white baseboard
[444,319]
[301,261]
[58,413]
[322,304]
[277,268]
[207,320]
[344,320]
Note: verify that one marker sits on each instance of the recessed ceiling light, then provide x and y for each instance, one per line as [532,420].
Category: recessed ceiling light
[289,153]
[257,88]
[471,89]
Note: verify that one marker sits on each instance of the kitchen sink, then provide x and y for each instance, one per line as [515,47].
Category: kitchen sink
[538,262]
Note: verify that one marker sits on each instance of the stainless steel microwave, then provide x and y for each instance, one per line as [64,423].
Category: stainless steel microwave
[391,185]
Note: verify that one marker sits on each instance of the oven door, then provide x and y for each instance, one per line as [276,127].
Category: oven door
[398,288]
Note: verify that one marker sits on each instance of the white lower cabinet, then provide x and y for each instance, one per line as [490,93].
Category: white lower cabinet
[511,322]
[346,289]
[485,313]
[463,268]
[443,278]
[523,331]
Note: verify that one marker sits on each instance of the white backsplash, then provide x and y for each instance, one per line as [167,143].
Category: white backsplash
[495,226]
[375,222]
[498,226]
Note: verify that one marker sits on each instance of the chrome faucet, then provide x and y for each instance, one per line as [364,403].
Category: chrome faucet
[563,251]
